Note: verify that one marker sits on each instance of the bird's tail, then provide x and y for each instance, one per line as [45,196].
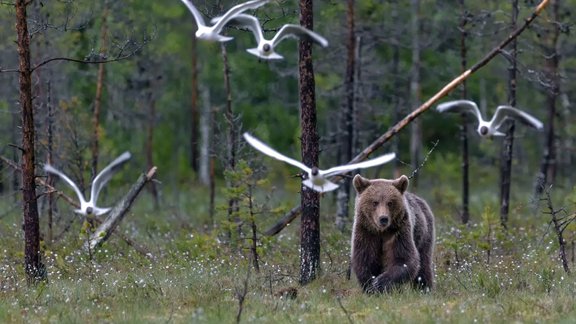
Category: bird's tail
[327,186]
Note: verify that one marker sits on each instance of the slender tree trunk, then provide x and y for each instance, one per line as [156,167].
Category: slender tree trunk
[49,159]
[465,216]
[232,137]
[151,101]
[99,90]
[254,245]
[195,129]
[548,165]
[205,138]
[35,269]
[416,127]
[395,72]
[310,199]
[347,122]
[508,144]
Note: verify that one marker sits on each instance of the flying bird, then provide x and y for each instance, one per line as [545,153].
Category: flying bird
[490,128]
[265,49]
[212,33]
[317,179]
[89,207]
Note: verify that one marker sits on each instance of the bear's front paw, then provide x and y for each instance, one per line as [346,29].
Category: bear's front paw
[381,284]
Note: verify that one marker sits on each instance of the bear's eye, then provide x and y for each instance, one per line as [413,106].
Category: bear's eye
[374,203]
[390,204]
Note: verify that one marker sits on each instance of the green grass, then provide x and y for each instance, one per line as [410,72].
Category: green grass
[483,273]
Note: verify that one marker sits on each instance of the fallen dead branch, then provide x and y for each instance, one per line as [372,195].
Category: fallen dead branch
[105,229]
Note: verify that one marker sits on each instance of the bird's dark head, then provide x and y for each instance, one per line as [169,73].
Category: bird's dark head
[483,130]
[314,171]
[89,210]
[266,48]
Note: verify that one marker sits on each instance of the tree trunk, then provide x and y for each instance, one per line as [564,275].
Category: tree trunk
[416,128]
[151,101]
[35,269]
[49,160]
[205,138]
[465,216]
[508,144]
[195,130]
[395,72]
[347,122]
[548,165]
[231,138]
[310,199]
[99,90]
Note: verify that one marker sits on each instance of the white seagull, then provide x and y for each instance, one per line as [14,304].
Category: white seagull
[212,33]
[317,179]
[89,207]
[490,128]
[265,49]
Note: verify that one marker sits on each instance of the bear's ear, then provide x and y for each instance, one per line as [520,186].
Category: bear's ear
[401,184]
[360,183]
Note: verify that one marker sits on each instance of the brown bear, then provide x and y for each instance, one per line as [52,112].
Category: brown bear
[393,236]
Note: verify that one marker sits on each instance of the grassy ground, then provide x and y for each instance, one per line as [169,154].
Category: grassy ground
[483,273]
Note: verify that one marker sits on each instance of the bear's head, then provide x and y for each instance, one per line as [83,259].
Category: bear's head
[380,203]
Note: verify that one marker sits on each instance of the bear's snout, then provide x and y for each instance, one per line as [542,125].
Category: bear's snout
[383,220]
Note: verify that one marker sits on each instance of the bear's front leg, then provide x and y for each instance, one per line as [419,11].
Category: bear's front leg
[394,276]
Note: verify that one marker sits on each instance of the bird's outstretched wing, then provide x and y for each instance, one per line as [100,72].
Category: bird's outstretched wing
[505,111]
[361,165]
[197,15]
[50,169]
[460,106]
[234,11]
[106,174]
[298,31]
[247,21]
[260,146]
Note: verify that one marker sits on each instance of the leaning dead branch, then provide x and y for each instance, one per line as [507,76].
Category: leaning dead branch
[294,212]
[104,230]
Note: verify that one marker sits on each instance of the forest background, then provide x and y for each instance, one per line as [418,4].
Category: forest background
[174,102]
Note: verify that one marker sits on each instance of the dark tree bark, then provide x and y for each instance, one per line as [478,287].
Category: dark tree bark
[465,213]
[310,199]
[99,91]
[397,100]
[547,171]
[35,269]
[231,137]
[416,129]
[194,110]
[347,121]
[508,144]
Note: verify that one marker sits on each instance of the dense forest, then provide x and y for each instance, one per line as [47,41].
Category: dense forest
[204,228]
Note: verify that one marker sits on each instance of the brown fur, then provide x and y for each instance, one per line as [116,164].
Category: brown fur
[388,254]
